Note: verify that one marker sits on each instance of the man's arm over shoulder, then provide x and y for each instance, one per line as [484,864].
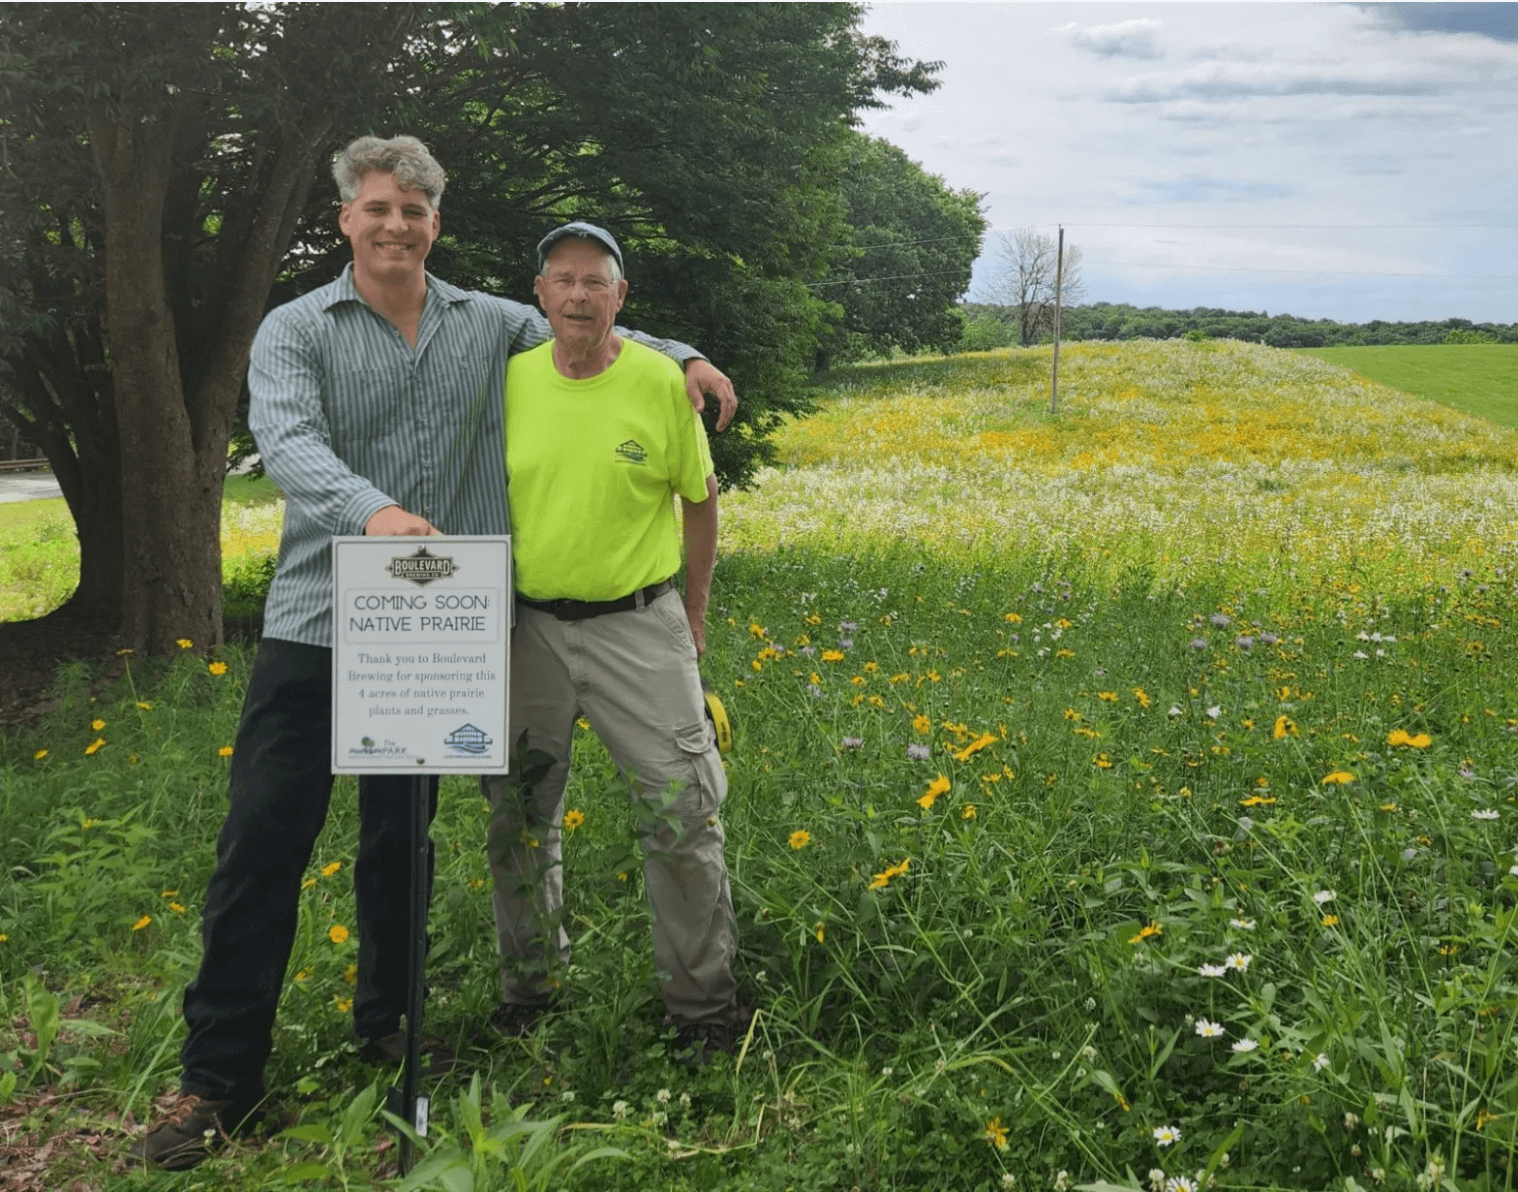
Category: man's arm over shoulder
[289,424]
[527,327]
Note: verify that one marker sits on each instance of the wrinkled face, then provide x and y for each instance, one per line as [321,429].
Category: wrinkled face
[390,228]
[578,292]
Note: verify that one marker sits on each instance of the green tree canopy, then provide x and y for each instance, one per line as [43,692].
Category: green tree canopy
[911,242]
[163,165]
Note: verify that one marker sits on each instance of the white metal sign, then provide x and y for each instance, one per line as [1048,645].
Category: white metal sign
[421,655]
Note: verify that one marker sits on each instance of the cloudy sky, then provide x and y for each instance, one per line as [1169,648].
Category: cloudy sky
[1345,161]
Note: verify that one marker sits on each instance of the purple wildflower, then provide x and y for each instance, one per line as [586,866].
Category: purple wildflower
[918,753]
[1199,643]
[1222,620]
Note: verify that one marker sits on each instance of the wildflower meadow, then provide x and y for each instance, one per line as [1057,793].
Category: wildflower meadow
[1122,797]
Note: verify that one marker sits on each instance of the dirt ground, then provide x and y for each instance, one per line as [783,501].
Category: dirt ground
[30,655]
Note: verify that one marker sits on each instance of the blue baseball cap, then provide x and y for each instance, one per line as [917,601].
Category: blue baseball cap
[580,231]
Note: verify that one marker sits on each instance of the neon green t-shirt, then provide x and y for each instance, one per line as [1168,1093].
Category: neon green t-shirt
[592,470]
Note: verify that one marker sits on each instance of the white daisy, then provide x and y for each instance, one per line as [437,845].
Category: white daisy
[1167,1135]
[1244,1045]
[1208,1029]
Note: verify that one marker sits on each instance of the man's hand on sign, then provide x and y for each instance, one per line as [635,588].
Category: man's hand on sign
[703,377]
[392,520]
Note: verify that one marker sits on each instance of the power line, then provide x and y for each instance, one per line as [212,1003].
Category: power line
[1315,272]
[1187,227]
[854,281]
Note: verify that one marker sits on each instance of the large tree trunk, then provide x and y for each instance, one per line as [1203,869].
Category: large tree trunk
[170,483]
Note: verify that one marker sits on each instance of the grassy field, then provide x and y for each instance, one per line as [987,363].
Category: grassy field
[1122,799]
[1481,379]
[39,554]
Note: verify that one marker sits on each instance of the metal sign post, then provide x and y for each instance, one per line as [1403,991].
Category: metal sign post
[421,659]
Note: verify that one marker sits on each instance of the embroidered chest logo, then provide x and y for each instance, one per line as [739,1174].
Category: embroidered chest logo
[632,451]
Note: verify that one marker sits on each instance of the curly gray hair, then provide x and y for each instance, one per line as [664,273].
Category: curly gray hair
[405,157]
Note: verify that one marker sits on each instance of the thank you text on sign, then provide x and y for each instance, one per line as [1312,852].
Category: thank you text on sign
[421,655]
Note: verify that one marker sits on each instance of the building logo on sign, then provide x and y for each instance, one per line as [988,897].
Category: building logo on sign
[468,739]
[422,568]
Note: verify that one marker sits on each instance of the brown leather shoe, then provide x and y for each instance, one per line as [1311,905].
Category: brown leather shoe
[190,1129]
[437,1057]
[517,1020]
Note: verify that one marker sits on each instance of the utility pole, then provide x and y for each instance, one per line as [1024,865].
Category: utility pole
[1059,278]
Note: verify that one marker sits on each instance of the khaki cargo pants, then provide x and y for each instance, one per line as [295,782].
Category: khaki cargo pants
[633,675]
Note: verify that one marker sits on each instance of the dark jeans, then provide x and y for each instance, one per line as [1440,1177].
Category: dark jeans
[280,786]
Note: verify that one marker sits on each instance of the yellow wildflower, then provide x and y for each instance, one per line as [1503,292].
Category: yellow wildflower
[224,751]
[144,705]
[308,883]
[1330,920]
[1402,737]
[1256,801]
[573,818]
[177,907]
[1107,697]
[94,746]
[1147,932]
[922,724]
[1338,778]
[1285,727]
[343,1004]
[142,922]
[820,932]
[939,786]
[183,643]
[967,812]
[756,630]
[975,746]
[800,838]
[832,656]
[217,668]
[996,1133]
[331,867]
[871,667]
[39,755]
[1142,696]
[337,933]
[350,974]
[97,724]
[1013,619]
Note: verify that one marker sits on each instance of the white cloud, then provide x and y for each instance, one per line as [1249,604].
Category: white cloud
[1287,117]
[1126,39]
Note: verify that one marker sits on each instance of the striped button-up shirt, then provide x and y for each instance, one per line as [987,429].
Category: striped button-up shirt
[350,418]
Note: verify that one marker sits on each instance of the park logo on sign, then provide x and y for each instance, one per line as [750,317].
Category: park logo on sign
[468,739]
[422,568]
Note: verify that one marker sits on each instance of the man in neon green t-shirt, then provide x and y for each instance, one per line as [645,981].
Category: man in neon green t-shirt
[600,439]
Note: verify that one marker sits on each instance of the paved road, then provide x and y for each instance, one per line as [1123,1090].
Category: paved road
[28,486]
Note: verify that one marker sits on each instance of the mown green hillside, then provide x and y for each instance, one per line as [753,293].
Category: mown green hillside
[1478,378]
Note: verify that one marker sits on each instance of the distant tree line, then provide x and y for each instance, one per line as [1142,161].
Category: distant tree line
[991,326]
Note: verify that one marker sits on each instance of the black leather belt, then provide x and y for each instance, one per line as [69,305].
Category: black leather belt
[581,610]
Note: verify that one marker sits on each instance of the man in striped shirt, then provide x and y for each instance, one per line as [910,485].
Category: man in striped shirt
[375,408]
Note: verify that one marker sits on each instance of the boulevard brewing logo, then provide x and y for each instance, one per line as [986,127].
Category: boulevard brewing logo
[422,568]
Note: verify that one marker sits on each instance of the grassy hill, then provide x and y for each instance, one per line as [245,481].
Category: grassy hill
[1481,379]
[1126,798]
